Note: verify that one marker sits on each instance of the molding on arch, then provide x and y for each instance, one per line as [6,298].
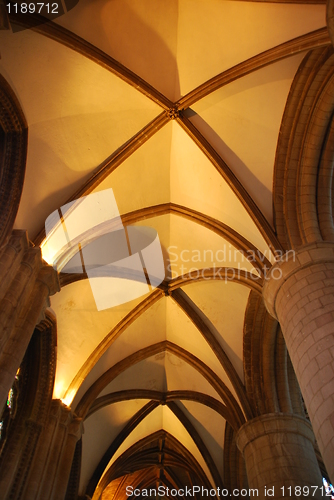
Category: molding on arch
[62,35]
[205,328]
[13,155]
[17,459]
[226,274]
[270,381]
[143,306]
[162,398]
[233,182]
[308,41]
[146,451]
[235,475]
[303,171]
[218,385]
[214,225]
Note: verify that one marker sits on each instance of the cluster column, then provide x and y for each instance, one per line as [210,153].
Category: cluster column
[300,295]
[26,283]
[54,455]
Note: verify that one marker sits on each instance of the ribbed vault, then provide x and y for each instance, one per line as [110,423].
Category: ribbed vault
[177,109]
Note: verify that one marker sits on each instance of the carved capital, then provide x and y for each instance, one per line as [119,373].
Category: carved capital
[76,427]
[18,240]
[49,277]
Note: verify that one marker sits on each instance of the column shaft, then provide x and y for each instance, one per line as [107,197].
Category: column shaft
[54,455]
[300,294]
[23,297]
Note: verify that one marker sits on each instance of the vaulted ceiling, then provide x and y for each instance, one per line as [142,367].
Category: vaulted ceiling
[176,106]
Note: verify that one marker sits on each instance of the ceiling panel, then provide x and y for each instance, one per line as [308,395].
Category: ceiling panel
[249,109]
[196,184]
[211,428]
[224,304]
[163,418]
[73,109]
[80,328]
[214,36]
[100,429]
[139,34]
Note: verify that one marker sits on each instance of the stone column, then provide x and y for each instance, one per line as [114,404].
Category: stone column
[300,295]
[54,455]
[279,456]
[74,433]
[26,283]
[42,472]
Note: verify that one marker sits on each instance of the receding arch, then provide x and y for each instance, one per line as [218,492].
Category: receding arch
[304,157]
[226,274]
[162,397]
[214,225]
[135,313]
[39,366]
[135,455]
[325,187]
[138,417]
[178,456]
[320,123]
[92,393]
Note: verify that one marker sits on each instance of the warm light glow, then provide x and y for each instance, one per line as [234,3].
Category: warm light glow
[67,400]
[60,392]
[74,219]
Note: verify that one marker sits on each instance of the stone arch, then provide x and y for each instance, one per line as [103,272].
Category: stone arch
[304,156]
[39,367]
[13,155]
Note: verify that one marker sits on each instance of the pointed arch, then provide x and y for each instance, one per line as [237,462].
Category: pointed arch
[13,156]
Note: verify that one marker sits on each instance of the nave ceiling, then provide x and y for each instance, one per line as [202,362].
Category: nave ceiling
[176,107]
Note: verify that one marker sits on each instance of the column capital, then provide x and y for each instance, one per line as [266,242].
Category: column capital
[273,423]
[49,277]
[76,427]
[290,264]
[278,449]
